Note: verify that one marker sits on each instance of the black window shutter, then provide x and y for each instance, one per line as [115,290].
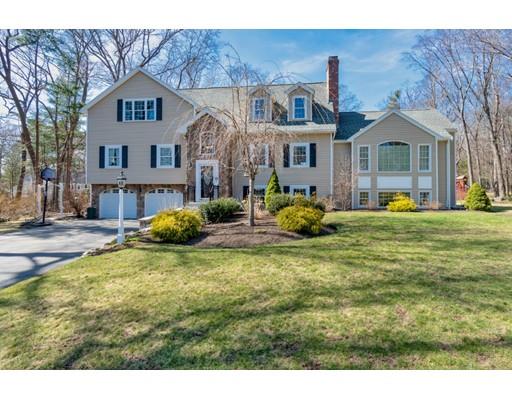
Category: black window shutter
[153,156]
[125,157]
[245,192]
[119,110]
[312,190]
[177,156]
[286,189]
[312,154]
[159,109]
[102,156]
[286,155]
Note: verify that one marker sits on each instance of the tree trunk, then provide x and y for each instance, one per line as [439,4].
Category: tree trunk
[21,178]
[251,200]
[469,156]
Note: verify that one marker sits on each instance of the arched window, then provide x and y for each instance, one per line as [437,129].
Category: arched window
[394,157]
[206,143]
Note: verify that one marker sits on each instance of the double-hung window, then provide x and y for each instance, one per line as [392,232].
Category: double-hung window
[139,110]
[364,158]
[425,198]
[258,109]
[387,197]
[299,107]
[165,156]
[363,199]
[424,158]
[261,154]
[259,191]
[113,156]
[394,157]
[299,189]
[299,154]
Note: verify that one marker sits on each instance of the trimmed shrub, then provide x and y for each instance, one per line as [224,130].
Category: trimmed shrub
[220,210]
[401,203]
[272,187]
[279,201]
[302,201]
[176,226]
[477,199]
[300,219]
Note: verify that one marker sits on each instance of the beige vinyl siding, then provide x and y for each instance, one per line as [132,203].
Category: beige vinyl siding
[103,129]
[318,176]
[442,175]
[395,128]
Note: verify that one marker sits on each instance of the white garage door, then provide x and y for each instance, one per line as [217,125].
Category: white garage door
[109,204]
[161,199]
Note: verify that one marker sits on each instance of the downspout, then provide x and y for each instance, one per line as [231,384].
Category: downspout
[437,173]
[331,165]
[448,175]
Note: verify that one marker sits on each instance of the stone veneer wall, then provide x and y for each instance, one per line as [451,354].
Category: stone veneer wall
[140,190]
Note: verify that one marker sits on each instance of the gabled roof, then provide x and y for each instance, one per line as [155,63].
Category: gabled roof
[300,85]
[221,98]
[354,123]
[126,78]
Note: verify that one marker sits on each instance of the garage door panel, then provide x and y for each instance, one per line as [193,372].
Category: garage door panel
[162,199]
[109,205]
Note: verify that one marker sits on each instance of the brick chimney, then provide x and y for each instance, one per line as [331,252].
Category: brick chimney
[333,68]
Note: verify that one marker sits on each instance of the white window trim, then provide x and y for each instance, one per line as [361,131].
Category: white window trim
[267,154]
[114,146]
[158,149]
[305,108]
[359,159]
[293,187]
[395,172]
[292,146]
[145,100]
[429,157]
[419,198]
[254,109]
[201,144]
[359,198]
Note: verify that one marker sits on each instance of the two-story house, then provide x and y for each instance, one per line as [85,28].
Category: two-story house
[151,131]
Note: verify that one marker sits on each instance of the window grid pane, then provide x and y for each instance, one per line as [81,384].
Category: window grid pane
[128,110]
[364,158]
[394,156]
[259,109]
[363,199]
[150,109]
[424,158]
[166,156]
[424,199]
[299,155]
[301,191]
[299,108]
[140,110]
[386,197]
[113,157]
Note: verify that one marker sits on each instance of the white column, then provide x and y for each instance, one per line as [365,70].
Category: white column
[38,200]
[120,228]
[61,196]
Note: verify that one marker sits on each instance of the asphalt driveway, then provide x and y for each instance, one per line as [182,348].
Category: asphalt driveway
[30,252]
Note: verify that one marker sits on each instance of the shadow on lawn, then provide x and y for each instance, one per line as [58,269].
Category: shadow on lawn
[227,329]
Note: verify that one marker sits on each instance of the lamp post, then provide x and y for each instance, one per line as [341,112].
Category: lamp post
[121,183]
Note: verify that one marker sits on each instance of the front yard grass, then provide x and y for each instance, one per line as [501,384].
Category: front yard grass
[419,290]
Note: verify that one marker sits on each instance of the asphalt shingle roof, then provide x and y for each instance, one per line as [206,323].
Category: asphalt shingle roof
[353,121]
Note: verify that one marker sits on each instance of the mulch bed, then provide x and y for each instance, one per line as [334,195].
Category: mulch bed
[237,233]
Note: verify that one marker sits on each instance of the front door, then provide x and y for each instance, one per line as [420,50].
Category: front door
[207,177]
[206,182]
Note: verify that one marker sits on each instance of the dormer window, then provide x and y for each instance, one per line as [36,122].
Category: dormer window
[299,107]
[258,109]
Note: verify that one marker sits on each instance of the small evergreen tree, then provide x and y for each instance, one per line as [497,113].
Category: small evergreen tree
[272,187]
[477,199]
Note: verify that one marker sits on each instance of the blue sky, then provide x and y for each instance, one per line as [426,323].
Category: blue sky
[371,64]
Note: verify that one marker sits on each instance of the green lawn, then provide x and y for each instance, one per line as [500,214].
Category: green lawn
[420,290]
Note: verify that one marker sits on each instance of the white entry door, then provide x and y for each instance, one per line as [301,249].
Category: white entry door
[109,204]
[162,199]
